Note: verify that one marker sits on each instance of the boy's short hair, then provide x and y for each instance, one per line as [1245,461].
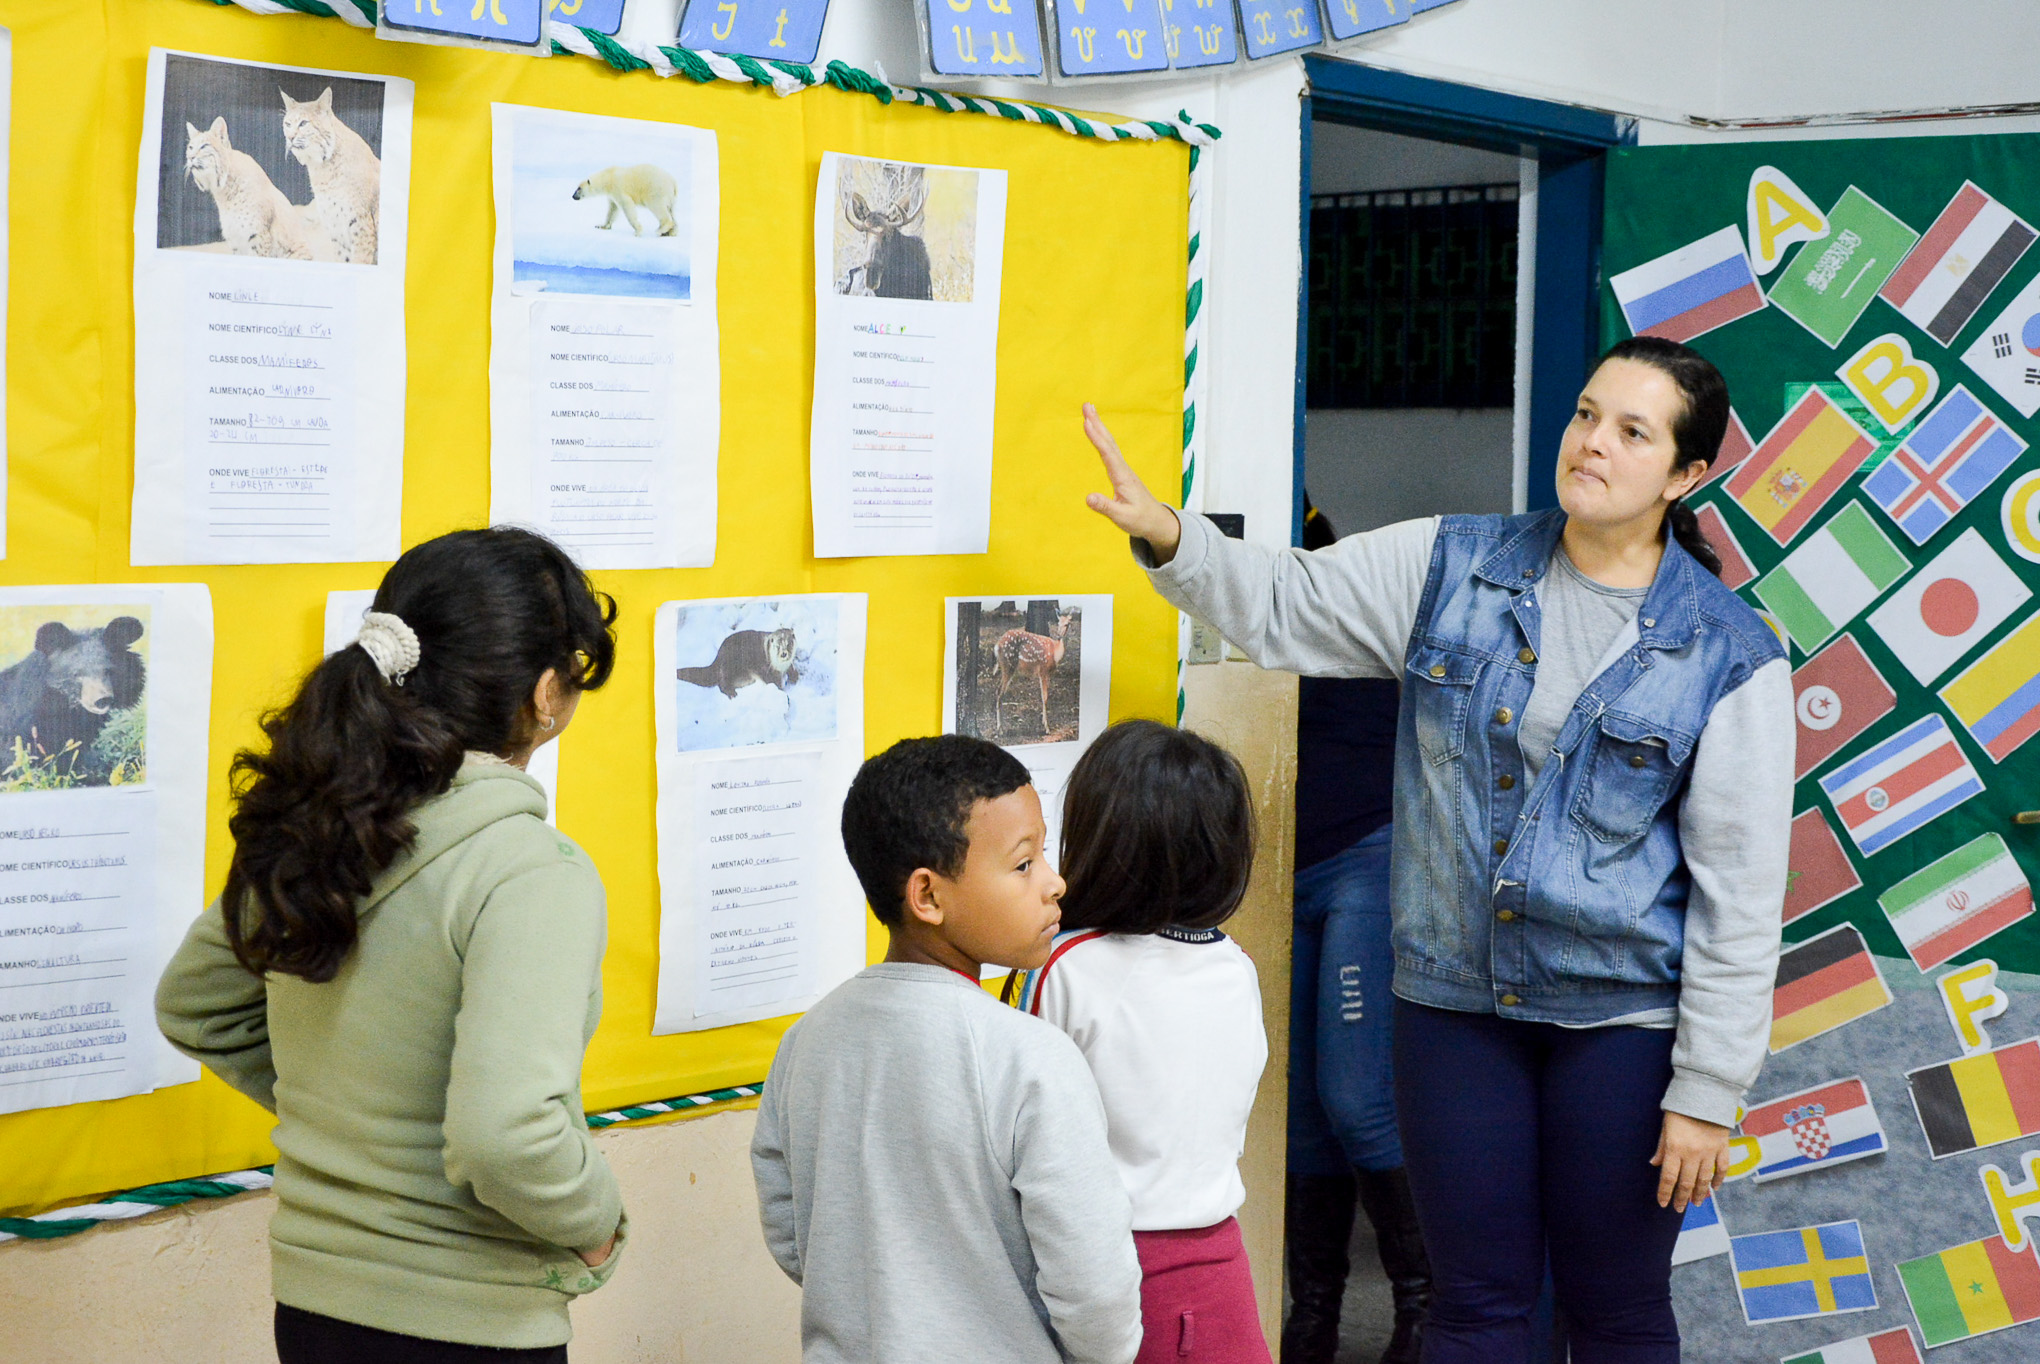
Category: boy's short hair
[1158,832]
[908,809]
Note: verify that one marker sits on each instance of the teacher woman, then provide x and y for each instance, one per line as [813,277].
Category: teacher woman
[1593,787]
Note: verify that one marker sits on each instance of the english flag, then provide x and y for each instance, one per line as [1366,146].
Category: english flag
[1962,594]
[1836,695]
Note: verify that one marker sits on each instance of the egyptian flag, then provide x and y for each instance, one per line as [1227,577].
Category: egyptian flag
[1951,271]
[1824,982]
[1981,1100]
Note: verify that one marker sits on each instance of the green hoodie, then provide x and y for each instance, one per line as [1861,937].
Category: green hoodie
[435,1175]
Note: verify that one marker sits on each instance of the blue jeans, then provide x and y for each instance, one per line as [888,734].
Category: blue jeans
[1341,1029]
[1528,1140]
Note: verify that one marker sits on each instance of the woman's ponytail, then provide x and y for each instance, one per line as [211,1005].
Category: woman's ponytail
[327,807]
[1697,431]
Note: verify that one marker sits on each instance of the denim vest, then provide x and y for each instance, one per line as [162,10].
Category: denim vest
[1563,900]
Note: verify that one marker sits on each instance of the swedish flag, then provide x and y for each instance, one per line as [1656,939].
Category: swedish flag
[1805,1272]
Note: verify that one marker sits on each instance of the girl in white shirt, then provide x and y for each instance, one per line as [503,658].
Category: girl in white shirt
[1158,841]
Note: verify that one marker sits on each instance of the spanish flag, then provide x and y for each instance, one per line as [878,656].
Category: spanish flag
[1972,1289]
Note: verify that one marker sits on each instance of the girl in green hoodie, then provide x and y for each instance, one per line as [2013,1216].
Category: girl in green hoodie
[405,968]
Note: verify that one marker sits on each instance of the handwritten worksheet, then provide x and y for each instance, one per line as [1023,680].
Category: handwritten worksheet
[269,314]
[907,272]
[759,711]
[604,371]
[102,831]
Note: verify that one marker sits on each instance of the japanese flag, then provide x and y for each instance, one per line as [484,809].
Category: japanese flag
[1962,594]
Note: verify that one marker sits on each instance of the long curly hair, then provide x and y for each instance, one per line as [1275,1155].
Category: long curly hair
[327,807]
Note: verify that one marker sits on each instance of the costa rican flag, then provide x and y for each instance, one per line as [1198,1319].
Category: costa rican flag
[1950,272]
[1700,286]
[1901,785]
[1953,455]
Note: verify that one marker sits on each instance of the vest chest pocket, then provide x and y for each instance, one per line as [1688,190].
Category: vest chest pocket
[1437,687]
[1632,771]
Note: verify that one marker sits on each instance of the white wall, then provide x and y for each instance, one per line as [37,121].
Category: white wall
[1346,160]
[1374,468]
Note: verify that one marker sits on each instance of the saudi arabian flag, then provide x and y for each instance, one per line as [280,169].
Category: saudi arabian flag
[1836,572]
[1886,1347]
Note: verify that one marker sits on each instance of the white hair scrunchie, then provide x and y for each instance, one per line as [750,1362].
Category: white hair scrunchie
[389,643]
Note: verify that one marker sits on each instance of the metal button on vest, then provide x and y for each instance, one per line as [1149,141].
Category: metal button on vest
[1648,622]
[1638,760]
[1507,916]
[1504,715]
[1506,782]
[1526,654]
[1437,670]
[1510,1001]
[1501,846]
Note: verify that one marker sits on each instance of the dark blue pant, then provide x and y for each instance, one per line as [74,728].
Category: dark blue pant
[1341,1025]
[1528,1140]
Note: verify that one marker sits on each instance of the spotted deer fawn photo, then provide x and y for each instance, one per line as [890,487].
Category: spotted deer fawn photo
[1019,654]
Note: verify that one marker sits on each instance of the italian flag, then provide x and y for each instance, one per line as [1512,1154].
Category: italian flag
[1886,1347]
[1838,570]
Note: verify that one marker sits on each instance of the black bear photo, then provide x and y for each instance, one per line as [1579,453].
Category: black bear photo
[70,708]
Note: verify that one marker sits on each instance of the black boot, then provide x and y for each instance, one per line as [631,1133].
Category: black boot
[1319,1224]
[1385,1194]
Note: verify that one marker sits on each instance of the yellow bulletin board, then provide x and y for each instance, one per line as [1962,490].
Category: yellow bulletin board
[1092,308]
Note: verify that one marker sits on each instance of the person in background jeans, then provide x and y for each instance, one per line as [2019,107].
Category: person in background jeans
[1342,1137]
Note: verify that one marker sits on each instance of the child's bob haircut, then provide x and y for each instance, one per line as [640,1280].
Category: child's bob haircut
[1158,832]
[908,807]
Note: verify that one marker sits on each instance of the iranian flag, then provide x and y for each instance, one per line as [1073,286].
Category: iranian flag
[1948,274]
[1838,570]
[1955,902]
[1886,1347]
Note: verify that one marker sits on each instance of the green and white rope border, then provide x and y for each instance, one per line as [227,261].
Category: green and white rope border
[122,1207]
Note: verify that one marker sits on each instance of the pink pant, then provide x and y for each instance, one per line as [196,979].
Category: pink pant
[1197,1298]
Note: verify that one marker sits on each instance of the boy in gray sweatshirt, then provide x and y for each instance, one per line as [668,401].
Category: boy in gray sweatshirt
[931,1165]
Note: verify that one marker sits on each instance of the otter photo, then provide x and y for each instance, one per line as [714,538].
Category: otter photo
[905,231]
[1019,668]
[261,161]
[73,692]
[754,672]
[603,211]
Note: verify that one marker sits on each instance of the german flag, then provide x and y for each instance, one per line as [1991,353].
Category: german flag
[1979,1100]
[1824,982]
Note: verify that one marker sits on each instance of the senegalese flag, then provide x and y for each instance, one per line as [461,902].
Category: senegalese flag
[1955,902]
[1827,580]
[1824,982]
[1802,463]
[1804,1272]
[1886,1347]
[1971,1290]
[1981,1100]
[1997,698]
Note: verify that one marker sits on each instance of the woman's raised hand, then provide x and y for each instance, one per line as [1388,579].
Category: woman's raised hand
[1131,507]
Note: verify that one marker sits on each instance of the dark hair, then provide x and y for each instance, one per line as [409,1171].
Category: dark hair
[327,808]
[907,809]
[1317,527]
[1697,430]
[1158,831]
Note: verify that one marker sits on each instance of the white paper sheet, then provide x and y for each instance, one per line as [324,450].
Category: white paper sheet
[907,271]
[605,384]
[344,611]
[759,704]
[269,313]
[105,695]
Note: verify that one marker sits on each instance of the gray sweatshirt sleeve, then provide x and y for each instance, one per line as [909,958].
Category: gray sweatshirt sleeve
[1078,1218]
[1736,831]
[773,1176]
[1342,611]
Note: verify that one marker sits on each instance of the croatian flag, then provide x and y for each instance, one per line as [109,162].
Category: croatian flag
[1694,289]
[1950,457]
[1946,277]
[1830,1124]
[1901,785]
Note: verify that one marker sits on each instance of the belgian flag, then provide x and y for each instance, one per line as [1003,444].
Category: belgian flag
[1979,1100]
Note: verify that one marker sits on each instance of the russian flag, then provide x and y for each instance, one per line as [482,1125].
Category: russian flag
[1901,785]
[1694,289]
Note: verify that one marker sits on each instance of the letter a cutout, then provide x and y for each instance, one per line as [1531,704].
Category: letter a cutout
[2013,1204]
[1780,214]
[1890,380]
[1971,995]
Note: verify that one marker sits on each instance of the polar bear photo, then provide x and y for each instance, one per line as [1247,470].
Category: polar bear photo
[600,211]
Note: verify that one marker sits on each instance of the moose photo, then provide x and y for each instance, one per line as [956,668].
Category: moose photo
[71,697]
[1018,667]
[905,231]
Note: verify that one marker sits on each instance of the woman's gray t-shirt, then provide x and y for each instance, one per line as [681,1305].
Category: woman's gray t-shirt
[1582,620]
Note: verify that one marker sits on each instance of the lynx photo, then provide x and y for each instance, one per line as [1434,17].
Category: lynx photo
[754,672]
[1018,671]
[73,683]
[600,207]
[262,161]
[905,231]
